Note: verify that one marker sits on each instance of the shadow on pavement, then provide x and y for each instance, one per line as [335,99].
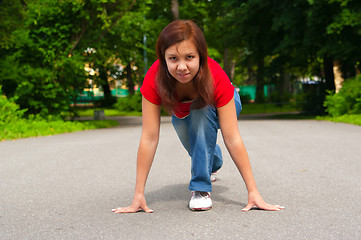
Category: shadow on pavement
[180,191]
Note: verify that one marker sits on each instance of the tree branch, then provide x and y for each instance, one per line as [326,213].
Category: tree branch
[83,30]
[85,27]
[102,35]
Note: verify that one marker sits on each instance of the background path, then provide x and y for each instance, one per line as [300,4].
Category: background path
[64,186]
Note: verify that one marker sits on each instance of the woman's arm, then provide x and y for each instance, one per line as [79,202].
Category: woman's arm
[233,141]
[146,151]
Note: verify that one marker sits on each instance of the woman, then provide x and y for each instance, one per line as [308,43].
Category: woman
[198,93]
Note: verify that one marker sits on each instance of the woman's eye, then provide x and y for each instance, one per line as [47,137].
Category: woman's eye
[190,57]
[172,58]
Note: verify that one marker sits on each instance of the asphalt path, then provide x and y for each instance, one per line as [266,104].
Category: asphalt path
[64,186]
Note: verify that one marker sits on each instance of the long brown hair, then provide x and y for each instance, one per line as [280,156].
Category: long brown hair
[176,32]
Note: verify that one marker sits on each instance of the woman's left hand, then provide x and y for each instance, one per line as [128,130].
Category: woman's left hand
[255,200]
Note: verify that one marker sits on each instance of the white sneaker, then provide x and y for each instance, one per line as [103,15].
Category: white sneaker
[200,201]
[213,177]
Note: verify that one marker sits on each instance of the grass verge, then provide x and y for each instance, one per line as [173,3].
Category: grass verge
[354,119]
[254,108]
[249,108]
[107,113]
[24,128]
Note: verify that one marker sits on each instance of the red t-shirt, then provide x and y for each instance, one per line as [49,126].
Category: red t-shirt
[223,88]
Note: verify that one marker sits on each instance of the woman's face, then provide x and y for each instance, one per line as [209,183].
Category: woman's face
[182,61]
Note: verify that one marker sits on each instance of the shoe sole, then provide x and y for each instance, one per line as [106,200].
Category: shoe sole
[201,209]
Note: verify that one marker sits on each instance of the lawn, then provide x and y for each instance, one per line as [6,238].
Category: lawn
[24,128]
[107,113]
[250,108]
[354,119]
[254,108]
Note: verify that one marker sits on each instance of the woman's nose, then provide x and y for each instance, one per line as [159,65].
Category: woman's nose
[182,66]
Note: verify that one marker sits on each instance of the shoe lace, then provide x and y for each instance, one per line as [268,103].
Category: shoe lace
[201,194]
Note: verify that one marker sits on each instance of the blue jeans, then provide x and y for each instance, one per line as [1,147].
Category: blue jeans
[198,135]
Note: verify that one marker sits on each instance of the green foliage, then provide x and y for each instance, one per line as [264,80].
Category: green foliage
[256,108]
[43,55]
[9,111]
[12,15]
[108,113]
[43,42]
[347,101]
[33,127]
[38,69]
[13,125]
[132,103]
[278,97]
[347,118]
[245,97]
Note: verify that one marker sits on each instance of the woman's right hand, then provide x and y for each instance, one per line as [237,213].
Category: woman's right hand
[138,204]
[147,148]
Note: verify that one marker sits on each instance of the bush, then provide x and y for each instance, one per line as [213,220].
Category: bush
[131,103]
[279,97]
[347,100]
[312,99]
[245,98]
[9,111]
[105,102]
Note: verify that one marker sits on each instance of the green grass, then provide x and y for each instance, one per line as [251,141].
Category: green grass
[298,116]
[24,128]
[107,112]
[254,108]
[249,108]
[354,119]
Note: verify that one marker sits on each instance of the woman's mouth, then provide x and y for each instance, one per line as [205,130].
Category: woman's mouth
[183,75]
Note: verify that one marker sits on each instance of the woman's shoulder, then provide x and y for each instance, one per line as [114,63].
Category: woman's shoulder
[217,71]
[155,66]
[148,88]
[152,71]
[213,64]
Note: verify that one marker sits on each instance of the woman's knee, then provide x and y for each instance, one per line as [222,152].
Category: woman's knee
[205,117]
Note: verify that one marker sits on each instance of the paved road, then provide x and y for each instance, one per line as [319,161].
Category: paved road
[64,186]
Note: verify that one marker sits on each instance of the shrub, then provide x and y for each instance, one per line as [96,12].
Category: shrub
[9,111]
[347,100]
[279,97]
[245,98]
[132,103]
[312,99]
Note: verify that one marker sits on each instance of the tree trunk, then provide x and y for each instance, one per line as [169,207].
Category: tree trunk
[328,73]
[251,75]
[283,87]
[229,63]
[175,9]
[104,82]
[130,81]
[260,81]
[338,75]
[108,99]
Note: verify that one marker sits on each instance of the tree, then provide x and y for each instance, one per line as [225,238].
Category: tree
[43,78]
[259,37]
[47,61]
[175,9]
[347,25]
